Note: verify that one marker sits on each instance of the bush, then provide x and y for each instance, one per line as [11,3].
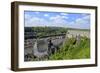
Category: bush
[73,51]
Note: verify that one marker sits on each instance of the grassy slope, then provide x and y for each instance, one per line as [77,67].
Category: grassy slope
[79,50]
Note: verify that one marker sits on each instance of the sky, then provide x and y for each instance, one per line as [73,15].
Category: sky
[57,19]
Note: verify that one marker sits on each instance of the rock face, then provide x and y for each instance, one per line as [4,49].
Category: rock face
[44,47]
[74,33]
[40,48]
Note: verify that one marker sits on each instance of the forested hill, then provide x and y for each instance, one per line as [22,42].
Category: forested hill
[44,31]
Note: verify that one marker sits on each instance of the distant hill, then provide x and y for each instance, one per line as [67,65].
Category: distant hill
[78,29]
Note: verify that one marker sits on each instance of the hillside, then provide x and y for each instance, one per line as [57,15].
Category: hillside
[69,50]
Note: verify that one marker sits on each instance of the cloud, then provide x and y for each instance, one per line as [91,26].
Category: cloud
[35,21]
[27,16]
[83,22]
[46,15]
[37,12]
[58,17]
[86,17]
[58,21]
[65,14]
[55,17]
[65,17]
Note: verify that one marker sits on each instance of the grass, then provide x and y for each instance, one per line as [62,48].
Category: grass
[72,50]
